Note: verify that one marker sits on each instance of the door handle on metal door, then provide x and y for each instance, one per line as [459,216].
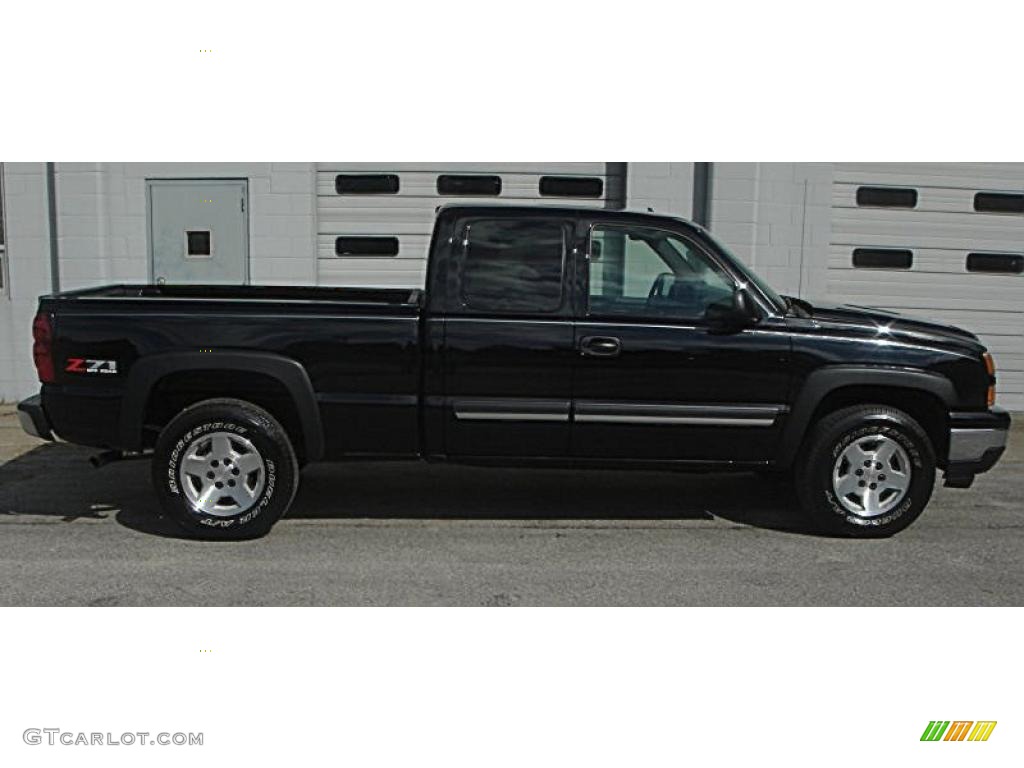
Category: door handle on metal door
[600,346]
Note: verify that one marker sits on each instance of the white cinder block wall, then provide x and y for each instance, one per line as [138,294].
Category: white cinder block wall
[102,227]
[777,218]
[663,187]
[28,272]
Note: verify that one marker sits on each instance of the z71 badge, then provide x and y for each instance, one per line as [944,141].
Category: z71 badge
[81,365]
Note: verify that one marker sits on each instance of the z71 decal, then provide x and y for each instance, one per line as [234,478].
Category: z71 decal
[81,365]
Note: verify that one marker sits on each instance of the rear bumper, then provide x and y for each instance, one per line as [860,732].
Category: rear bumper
[976,442]
[33,418]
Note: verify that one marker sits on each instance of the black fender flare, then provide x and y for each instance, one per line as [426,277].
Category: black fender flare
[820,383]
[147,371]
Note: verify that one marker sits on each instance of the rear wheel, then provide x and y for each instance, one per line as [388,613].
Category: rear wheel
[225,469]
[866,471]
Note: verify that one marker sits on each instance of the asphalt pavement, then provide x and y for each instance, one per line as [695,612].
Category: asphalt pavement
[410,534]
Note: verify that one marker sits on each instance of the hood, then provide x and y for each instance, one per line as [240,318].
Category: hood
[903,327]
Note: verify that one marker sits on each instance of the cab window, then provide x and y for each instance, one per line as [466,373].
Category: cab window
[649,273]
[513,265]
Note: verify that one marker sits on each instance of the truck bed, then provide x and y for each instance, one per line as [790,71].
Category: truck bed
[358,347]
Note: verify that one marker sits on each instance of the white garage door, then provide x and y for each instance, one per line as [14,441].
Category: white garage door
[375,220]
[938,240]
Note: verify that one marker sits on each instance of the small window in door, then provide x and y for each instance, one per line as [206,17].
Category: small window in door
[198,244]
[887,197]
[649,273]
[999,202]
[366,246]
[883,258]
[513,265]
[1004,263]
[469,186]
[366,184]
[571,186]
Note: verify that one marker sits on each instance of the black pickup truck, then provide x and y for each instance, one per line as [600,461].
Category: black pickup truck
[545,337]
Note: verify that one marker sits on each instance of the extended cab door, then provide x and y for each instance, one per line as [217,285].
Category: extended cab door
[654,380]
[505,349]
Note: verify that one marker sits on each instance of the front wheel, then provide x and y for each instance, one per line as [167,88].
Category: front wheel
[866,471]
[225,469]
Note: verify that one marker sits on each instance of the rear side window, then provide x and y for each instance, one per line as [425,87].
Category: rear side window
[513,265]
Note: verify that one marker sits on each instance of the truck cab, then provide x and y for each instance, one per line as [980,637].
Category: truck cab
[596,335]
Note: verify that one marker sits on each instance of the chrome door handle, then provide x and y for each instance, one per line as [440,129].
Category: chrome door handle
[600,346]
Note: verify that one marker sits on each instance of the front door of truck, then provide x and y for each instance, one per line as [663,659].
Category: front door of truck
[507,349]
[653,379]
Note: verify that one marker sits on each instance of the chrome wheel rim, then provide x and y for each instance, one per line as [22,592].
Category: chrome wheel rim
[871,475]
[222,474]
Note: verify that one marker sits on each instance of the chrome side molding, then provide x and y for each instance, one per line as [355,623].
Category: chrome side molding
[594,412]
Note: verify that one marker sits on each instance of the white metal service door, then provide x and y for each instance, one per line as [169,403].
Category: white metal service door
[198,231]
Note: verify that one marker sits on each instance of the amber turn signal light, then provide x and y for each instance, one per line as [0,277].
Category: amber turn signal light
[990,364]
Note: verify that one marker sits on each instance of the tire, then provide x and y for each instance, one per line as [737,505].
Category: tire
[866,471]
[225,469]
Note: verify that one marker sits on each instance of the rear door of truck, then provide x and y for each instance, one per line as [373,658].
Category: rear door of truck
[506,357]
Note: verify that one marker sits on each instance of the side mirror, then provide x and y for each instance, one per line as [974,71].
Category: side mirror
[733,313]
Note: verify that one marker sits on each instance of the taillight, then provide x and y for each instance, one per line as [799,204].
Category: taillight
[42,347]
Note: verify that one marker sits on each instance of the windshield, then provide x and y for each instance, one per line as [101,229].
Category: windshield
[749,275]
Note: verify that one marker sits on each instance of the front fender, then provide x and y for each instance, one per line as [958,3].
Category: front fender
[820,383]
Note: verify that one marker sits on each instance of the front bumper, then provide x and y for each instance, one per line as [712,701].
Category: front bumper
[33,418]
[976,442]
